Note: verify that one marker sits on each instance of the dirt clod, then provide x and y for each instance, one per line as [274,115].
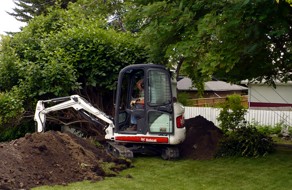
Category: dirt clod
[53,158]
[202,139]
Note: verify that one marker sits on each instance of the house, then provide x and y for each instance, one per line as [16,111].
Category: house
[215,92]
[212,89]
[264,96]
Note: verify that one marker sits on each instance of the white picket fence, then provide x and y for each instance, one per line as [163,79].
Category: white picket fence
[263,117]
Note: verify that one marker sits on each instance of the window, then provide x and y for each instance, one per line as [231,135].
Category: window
[160,122]
[159,88]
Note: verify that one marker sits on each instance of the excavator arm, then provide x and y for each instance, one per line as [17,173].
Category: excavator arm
[79,104]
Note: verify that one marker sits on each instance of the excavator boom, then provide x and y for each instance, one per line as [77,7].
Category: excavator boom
[76,102]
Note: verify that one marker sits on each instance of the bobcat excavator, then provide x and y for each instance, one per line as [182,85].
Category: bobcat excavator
[159,119]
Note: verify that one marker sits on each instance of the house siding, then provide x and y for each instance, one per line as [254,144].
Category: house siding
[264,96]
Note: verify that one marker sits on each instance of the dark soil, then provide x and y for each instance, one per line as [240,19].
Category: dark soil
[202,139]
[54,158]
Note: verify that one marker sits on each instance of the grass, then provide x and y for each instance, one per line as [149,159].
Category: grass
[279,140]
[270,172]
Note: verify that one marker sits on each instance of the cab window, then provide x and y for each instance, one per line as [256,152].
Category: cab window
[159,88]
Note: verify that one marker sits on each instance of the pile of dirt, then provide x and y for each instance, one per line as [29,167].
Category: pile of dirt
[54,158]
[202,139]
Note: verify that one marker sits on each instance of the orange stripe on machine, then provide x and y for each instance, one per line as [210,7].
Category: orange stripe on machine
[142,139]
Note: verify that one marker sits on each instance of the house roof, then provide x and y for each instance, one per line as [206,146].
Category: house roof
[256,82]
[186,84]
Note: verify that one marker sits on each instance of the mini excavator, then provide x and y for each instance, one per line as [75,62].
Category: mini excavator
[159,119]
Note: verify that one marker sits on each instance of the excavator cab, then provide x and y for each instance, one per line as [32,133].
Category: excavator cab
[144,101]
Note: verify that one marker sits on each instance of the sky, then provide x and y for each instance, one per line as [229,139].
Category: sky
[8,23]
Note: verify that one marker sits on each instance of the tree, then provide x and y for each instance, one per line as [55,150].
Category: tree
[25,10]
[168,29]
[232,40]
[248,40]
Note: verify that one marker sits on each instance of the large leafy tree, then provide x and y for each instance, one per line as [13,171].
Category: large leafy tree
[169,30]
[234,40]
[248,40]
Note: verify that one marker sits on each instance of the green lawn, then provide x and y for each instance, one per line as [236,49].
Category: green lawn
[271,172]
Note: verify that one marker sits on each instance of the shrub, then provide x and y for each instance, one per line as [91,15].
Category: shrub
[270,130]
[241,139]
[232,113]
[11,108]
[245,141]
[15,132]
[277,129]
[12,123]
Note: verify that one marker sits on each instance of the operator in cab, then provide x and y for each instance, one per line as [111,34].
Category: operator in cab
[137,103]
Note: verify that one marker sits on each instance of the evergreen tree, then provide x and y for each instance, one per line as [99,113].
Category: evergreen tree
[27,9]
